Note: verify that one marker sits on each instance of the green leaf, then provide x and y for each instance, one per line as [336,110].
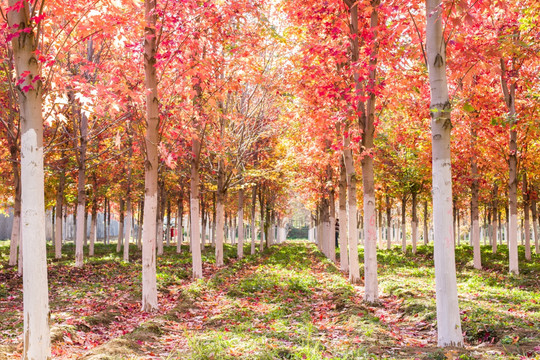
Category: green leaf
[469,108]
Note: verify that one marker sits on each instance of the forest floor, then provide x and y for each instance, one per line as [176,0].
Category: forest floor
[288,302]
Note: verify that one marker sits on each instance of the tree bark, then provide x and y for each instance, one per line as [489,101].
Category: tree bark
[354,266]
[388,222]
[404,224]
[220,227]
[261,206]
[58,222]
[367,125]
[168,235]
[15,238]
[526,223]
[180,223]
[149,280]
[240,249]
[195,234]
[343,241]
[81,192]
[509,97]
[448,319]
[534,219]
[120,241]
[494,227]
[475,233]
[160,215]
[93,221]
[253,219]
[414,222]
[426,231]
[35,285]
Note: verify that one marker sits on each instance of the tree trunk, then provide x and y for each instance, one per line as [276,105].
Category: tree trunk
[81,192]
[343,241]
[168,235]
[261,206]
[332,229]
[509,97]
[35,285]
[426,232]
[388,222]
[448,320]
[325,226]
[354,266]
[129,207]
[58,222]
[494,226]
[15,238]
[475,233]
[220,227]
[534,219]
[458,227]
[414,222]
[106,220]
[204,218]
[404,224]
[367,125]
[240,250]
[526,223]
[140,229]
[93,225]
[120,241]
[160,216]
[195,234]
[180,224]
[253,226]
[128,229]
[149,280]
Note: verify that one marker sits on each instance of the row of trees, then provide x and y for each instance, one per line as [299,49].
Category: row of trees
[224,105]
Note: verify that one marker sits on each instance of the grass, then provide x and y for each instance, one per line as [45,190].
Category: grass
[287,302]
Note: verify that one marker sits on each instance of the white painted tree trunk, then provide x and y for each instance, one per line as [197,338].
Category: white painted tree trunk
[414,223]
[535,225]
[80,234]
[510,98]
[159,234]
[120,238]
[36,335]
[195,234]
[526,214]
[80,238]
[388,223]
[354,266]
[127,236]
[93,229]
[343,240]
[220,228]
[404,224]
[448,319]
[15,239]
[58,230]
[180,226]
[332,233]
[240,249]
[149,277]
[139,232]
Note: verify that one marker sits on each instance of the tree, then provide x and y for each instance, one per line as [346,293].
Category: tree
[22,19]
[149,286]
[448,320]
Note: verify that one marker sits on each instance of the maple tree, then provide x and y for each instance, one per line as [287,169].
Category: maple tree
[250,101]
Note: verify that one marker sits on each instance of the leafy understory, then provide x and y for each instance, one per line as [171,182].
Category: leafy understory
[288,302]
